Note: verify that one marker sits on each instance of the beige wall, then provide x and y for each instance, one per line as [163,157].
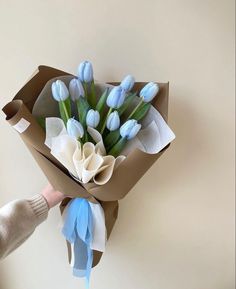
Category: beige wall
[175,229]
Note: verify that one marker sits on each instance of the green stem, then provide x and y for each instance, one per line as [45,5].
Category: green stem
[80,140]
[85,137]
[65,110]
[80,117]
[135,109]
[78,110]
[93,95]
[104,124]
[86,89]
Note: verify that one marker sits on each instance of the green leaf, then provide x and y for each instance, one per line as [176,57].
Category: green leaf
[83,107]
[68,106]
[126,103]
[41,122]
[62,106]
[92,95]
[141,111]
[118,147]
[111,139]
[102,101]
[101,105]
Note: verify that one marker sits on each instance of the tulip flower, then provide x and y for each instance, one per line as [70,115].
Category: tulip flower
[85,74]
[77,95]
[149,91]
[130,129]
[75,128]
[59,91]
[114,100]
[76,89]
[113,121]
[127,131]
[127,83]
[116,97]
[85,71]
[92,118]
[61,94]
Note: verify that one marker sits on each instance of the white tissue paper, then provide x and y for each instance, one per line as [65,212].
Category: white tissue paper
[89,163]
[85,163]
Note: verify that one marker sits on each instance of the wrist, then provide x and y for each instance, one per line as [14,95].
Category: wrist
[52,196]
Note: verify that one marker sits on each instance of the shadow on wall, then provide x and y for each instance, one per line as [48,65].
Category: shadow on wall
[190,144]
[189,147]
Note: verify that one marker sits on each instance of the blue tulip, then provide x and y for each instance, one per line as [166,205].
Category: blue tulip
[85,71]
[76,89]
[149,91]
[127,83]
[92,118]
[113,121]
[59,91]
[130,129]
[75,128]
[116,97]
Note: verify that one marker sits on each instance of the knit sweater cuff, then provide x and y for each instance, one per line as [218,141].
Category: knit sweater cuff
[39,206]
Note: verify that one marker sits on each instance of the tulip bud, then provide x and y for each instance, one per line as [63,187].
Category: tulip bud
[92,118]
[75,128]
[149,91]
[116,97]
[113,121]
[127,83]
[59,91]
[76,89]
[85,71]
[130,129]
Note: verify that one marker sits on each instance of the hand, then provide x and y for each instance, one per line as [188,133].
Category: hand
[52,196]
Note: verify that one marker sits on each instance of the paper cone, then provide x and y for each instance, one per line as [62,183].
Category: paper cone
[19,115]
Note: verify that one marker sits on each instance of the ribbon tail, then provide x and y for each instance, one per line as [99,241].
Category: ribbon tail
[89,266]
[78,230]
[99,234]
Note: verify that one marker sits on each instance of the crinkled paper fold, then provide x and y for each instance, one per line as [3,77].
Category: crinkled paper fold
[87,163]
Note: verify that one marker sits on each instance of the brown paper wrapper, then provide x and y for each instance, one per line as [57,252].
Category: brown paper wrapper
[124,177]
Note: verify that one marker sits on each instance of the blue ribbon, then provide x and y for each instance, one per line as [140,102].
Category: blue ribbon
[78,230]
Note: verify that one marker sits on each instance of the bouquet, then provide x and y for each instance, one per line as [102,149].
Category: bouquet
[93,141]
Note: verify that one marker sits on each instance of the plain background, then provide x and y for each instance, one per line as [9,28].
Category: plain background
[175,228]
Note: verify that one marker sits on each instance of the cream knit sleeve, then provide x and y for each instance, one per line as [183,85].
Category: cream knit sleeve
[18,220]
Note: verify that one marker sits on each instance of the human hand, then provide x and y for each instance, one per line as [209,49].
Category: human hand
[52,196]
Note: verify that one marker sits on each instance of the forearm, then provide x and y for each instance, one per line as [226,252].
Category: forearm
[18,220]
